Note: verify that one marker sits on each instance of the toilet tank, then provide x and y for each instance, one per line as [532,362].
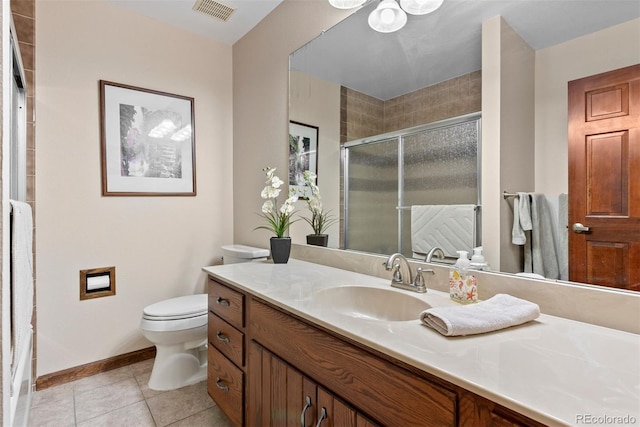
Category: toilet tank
[233,254]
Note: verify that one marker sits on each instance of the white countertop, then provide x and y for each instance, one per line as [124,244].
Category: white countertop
[554,370]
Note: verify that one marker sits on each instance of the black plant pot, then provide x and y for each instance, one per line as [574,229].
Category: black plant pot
[280,249]
[317,239]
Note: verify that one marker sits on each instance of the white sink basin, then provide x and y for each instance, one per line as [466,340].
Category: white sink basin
[365,302]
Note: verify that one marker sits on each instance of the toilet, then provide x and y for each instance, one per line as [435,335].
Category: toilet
[178,329]
[233,254]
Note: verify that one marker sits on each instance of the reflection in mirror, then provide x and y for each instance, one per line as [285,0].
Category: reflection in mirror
[414,190]
[431,70]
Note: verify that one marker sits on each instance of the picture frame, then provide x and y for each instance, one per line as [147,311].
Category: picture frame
[303,156]
[147,140]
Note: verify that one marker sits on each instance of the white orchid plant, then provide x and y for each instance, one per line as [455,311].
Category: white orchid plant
[279,219]
[320,220]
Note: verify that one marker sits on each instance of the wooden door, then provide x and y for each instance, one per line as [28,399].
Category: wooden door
[604,179]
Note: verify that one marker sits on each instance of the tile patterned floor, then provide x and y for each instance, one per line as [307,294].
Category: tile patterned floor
[121,398]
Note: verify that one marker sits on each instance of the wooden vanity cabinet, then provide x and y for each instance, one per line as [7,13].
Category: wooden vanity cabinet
[288,370]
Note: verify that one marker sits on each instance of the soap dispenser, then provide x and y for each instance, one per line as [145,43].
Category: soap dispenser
[462,284]
[477,260]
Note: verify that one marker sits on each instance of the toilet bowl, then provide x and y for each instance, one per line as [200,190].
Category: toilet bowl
[178,329]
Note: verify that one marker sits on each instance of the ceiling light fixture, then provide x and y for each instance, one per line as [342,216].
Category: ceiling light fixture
[346,4]
[390,16]
[420,7]
[387,17]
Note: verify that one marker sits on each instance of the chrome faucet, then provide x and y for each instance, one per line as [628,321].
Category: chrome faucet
[435,251]
[415,285]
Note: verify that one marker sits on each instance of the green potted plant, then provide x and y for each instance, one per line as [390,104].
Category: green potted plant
[320,220]
[279,219]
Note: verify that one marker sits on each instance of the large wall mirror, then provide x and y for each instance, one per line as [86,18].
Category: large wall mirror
[354,83]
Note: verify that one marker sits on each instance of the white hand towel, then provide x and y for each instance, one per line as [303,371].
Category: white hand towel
[521,219]
[498,312]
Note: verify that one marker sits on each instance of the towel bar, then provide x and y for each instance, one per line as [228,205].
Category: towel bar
[406,208]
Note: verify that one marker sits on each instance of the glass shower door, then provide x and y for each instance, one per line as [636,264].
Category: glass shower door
[371,197]
[440,167]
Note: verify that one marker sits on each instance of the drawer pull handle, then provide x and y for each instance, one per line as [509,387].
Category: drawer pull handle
[223,301]
[323,416]
[307,405]
[220,386]
[222,337]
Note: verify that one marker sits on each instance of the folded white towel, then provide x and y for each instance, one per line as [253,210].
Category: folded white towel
[498,312]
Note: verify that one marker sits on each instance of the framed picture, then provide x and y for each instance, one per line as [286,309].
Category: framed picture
[303,156]
[147,141]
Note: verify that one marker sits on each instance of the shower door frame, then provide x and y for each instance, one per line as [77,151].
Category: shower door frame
[399,136]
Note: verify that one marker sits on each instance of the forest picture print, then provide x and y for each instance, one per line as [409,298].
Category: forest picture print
[303,156]
[147,142]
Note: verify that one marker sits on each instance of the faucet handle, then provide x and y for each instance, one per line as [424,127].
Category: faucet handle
[397,275]
[419,280]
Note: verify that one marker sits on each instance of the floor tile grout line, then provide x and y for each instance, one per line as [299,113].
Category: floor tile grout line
[75,418]
[93,389]
[153,418]
[116,409]
[143,398]
[190,415]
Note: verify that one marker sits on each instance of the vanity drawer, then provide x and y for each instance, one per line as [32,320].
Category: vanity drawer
[225,385]
[226,303]
[227,339]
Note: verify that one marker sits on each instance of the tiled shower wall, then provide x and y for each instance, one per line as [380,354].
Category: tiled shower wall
[24,20]
[362,115]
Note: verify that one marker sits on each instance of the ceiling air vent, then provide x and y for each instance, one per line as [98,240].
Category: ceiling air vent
[214,9]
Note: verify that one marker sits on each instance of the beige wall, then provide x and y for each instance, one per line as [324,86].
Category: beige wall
[260,105]
[606,50]
[507,135]
[157,244]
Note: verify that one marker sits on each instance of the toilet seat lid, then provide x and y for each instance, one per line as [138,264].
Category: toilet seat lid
[177,308]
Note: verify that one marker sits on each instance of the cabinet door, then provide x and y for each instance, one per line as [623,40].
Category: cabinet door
[361,421]
[333,412]
[278,395]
